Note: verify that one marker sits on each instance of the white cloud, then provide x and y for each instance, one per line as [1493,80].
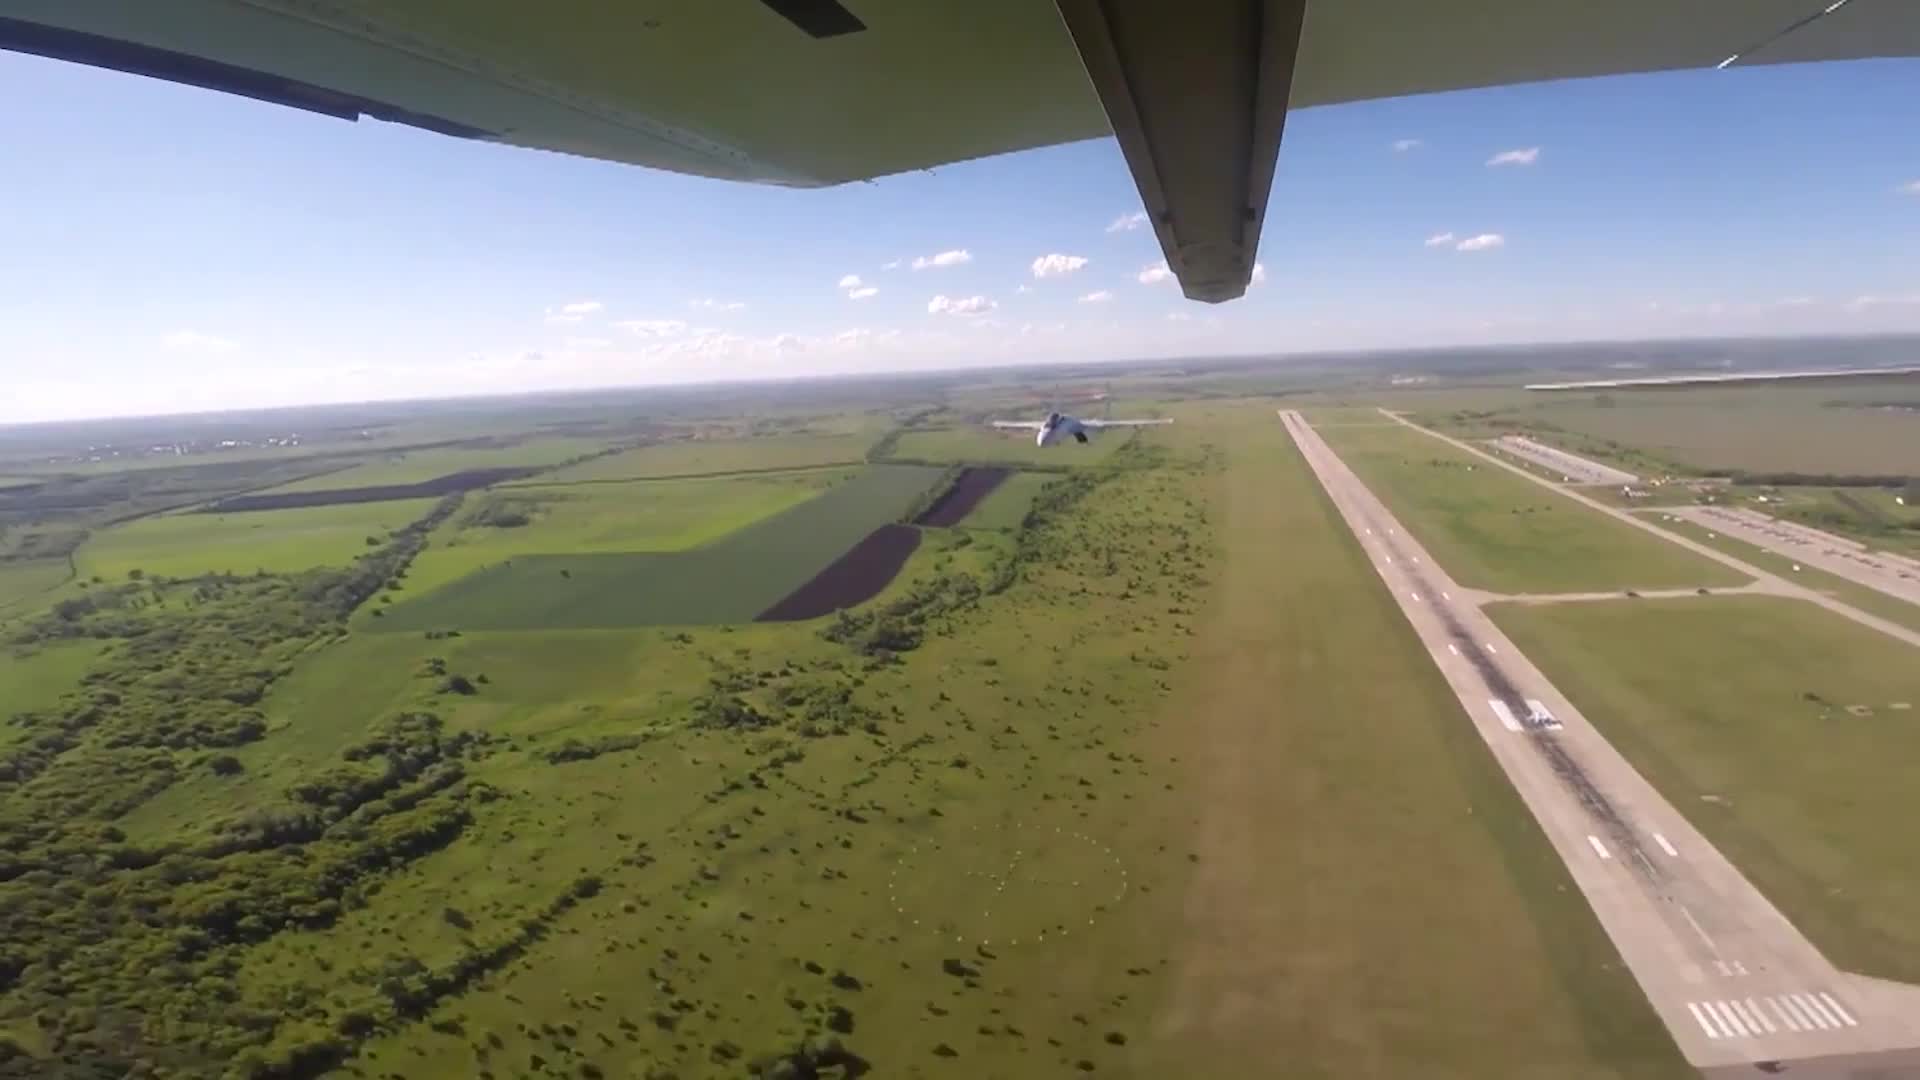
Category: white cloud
[1128,222]
[589,343]
[1515,157]
[945,258]
[1056,264]
[1440,239]
[1401,146]
[1155,274]
[1179,316]
[582,307]
[1910,188]
[959,305]
[851,281]
[707,303]
[653,327]
[890,265]
[1023,287]
[1099,296]
[1486,241]
[1794,301]
[862,293]
[1868,301]
[1259,273]
[195,341]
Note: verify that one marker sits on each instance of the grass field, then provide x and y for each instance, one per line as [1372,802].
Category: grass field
[278,541]
[1331,774]
[24,581]
[35,680]
[697,457]
[1853,594]
[1007,505]
[730,580]
[1774,726]
[983,445]
[656,515]
[1494,530]
[413,466]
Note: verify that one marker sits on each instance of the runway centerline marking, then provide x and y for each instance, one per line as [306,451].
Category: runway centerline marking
[1599,848]
[1665,845]
[1452,648]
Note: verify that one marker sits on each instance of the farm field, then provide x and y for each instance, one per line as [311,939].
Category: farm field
[415,466]
[1837,429]
[277,541]
[1791,760]
[729,580]
[699,457]
[1493,530]
[613,517]
[1007,505]
[983,445]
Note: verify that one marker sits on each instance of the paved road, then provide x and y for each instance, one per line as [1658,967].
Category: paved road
[1733,980]
[1775,582]
[1895,575]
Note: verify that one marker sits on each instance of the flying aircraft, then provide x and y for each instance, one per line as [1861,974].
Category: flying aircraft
[809,93]
[1058,426]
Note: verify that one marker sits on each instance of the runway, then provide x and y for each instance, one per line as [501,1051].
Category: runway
[1890,573]
[1735,983]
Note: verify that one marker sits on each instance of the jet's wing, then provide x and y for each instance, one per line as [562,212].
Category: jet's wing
[1124,423]
[816,92]
[1018,425]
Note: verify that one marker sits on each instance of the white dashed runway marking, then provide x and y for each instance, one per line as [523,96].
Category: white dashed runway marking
[1762,1015]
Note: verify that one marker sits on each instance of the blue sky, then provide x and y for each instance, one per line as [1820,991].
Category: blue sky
[170,249]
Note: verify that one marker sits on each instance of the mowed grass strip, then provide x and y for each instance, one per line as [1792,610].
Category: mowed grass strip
[1775,727]
[618,516]
[730,580]
[1371,897]
[277,541]
[1006,506]
[1493,530]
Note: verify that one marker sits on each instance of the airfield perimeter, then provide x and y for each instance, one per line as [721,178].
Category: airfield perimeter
[1732,979]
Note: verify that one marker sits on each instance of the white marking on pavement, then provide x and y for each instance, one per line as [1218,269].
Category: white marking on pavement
[1452,648]
[1415,595]
[1444,595]
[1665,845]
[1800,1014]
[1785,1016]
[1697,928]
[1740,1010]
[1727,1017]
[1507,719]
[1701,1019]
[1760,1015]
[1599,848]
[1845,1017]
[1490,647]
[1820,1014]
[1389,558]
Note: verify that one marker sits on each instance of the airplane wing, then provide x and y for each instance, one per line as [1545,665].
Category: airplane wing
[1124,423]
[1019,425]
[817,92]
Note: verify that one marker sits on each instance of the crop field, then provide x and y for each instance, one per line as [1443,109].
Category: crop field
[277,541]
[415,466]
[1792,762]
[1494,530]
[1007,505]
[983,445]
[703,457]
[653,515]
[731,579]
[1854,429]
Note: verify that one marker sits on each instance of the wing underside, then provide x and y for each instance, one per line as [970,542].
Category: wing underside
[817,92]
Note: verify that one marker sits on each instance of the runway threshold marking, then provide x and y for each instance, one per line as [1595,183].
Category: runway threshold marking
[1599,848]
[1750,1018]
[1665,845]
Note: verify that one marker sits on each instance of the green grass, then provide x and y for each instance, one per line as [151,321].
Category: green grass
[657,515]
[697,457]
[1744,700]
[1493,530]
[277,541]
[1007,505]
[414,466]
[35,680]
[23,583]
[1852,593]
[730,580]
[985,445]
